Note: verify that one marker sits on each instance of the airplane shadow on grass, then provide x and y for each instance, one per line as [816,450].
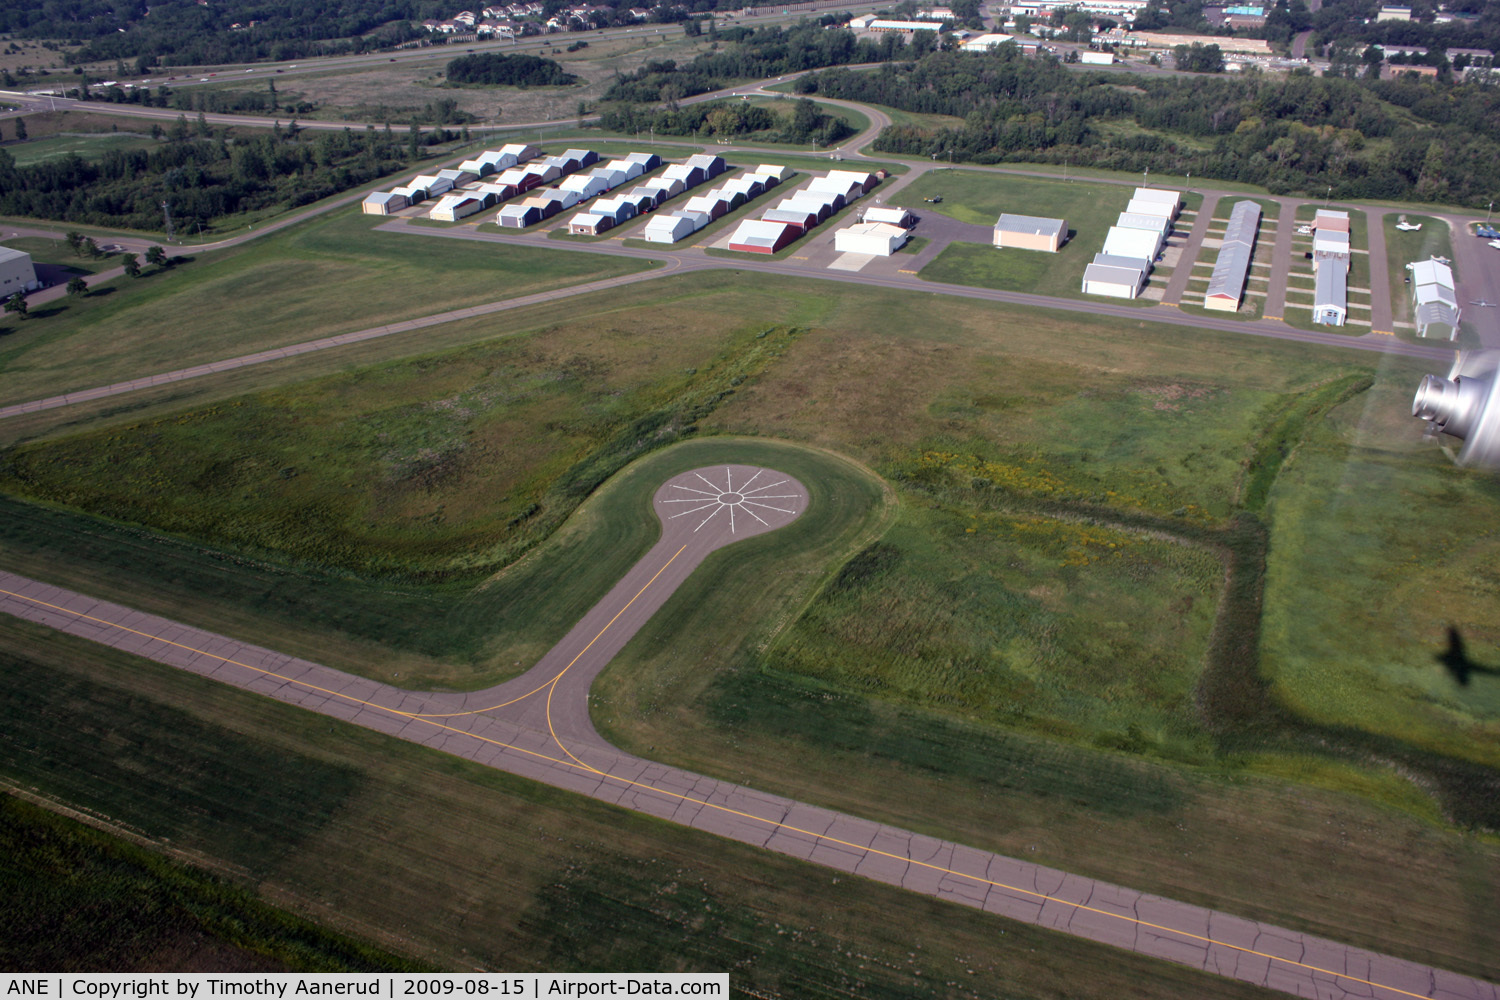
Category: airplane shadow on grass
[1455,659]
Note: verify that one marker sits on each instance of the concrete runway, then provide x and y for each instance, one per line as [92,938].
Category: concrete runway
[538,726]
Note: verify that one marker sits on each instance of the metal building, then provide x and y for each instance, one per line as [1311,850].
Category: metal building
[1027,232]
[1226,286]
[1434,299]
[17,273]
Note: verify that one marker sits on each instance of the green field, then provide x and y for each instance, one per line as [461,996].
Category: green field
[87,146]
[457,866]
[47,251]
[324,277]
[97,903]
[1046,645]
[1089,209]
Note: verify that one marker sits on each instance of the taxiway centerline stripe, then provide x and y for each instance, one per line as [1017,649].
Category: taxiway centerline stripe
[775,824]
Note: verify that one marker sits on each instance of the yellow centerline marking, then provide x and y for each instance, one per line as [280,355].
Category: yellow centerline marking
[774,824]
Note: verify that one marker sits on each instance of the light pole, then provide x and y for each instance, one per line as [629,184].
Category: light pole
[1328,196]
[1488,211]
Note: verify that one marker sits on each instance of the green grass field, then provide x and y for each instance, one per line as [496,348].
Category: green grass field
[89,147]
[324,277]
[994,685]
[1089,209]
[45,251]
[98,903]
[457,866]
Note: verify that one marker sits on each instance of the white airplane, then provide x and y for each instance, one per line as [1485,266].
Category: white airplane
[1495,244]
[1408,227]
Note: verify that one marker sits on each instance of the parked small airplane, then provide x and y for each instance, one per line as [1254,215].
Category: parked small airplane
[1408,227]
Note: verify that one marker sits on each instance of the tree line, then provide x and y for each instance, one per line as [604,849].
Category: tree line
[1408,140]
[202,176]
[806,124]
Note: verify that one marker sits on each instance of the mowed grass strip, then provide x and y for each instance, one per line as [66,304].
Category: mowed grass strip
[332,275]
[455,865]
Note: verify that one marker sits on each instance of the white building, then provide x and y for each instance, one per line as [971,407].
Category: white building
[1115,277]
[452,207]
[1226,286]
[1434,299]
[895,216]
[17,274]
[878,238]
[668,228]
[1030,232]
[984,43]
[1140,244]
[1159,196]
[1097,58]
[382,203]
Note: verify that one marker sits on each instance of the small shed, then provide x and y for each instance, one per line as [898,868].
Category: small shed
[519,216]
[458,178]
[643,198]
[564,163]
[383,203]
[611,176]
[585,157]
[775,170]
[433,185]
[414,194]
[545,173]
[879,238]
[630,168]
[759,236]
[667,229]
[479,167]
[670,186]
[1030,232]
[498,159]
[713,205]
[590,224]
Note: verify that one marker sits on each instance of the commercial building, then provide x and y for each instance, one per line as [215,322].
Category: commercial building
[17,273]
[1226,286]
[878,238]
[759,236]
[880,24]
[1030,232]
[1434,299]
[984,43]
[1097,58]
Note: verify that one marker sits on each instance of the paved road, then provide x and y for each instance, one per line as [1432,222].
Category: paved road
[538,726]
[1281,262]
[1178,283]
[1381,320]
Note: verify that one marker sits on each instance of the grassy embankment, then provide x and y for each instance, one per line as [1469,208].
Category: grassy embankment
[1154,462]
[1089,209]
[328,276]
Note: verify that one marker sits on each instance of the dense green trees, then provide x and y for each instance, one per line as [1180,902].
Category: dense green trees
[201,178]
[1417,140]
[494,69]
[807,124]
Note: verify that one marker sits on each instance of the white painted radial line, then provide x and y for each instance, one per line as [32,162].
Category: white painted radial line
[769,486]
[703,499]
[751,480]
[717,507]
[756,516]
[772,496]
[717,491]
[769,507]
[707,504]
[729,478]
